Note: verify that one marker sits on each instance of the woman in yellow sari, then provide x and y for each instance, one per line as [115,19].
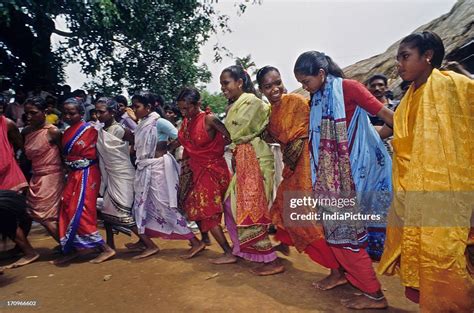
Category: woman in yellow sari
[247,215]
[433,180]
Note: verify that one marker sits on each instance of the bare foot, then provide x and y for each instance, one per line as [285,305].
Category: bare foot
[104,256]
[65,259]
[146,253]
[194,250]
[135,245]
[364,301]
[27,259]
[227,258]
[271,268]
[284,249]
[336,278]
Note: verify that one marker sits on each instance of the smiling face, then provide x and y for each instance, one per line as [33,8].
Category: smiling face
[272,87]
[71,114]
[231,88]
[411,65]
[311,83]
[34,116]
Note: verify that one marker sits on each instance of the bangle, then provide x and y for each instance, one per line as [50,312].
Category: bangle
[391,127]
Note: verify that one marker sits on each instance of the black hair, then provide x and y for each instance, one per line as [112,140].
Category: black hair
[427,40]
[111,104]
[310,62]
[158,98]
[146,99]
[263,71]
[174,109]
[50,99]
[237,72]
[38,102]
[378,76]
[3,100]
[12,212]
[79,93]
[189,94]
[121,99]
[77,103]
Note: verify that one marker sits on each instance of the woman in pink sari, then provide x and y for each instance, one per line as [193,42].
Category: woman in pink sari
[42,148]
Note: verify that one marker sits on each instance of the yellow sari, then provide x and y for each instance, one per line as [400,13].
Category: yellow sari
[433,181]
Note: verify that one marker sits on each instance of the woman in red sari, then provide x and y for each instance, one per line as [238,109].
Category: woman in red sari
[204,172]
[78,213]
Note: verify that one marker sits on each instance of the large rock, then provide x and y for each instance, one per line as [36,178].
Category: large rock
[455,29]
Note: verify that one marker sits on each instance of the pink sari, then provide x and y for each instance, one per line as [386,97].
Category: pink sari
[47,181]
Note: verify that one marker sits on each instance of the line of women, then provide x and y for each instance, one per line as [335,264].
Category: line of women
[330,150]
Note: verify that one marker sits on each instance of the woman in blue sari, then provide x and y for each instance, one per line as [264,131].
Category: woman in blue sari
[348,162]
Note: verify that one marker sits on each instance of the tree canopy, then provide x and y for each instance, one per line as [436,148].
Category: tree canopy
[152,44]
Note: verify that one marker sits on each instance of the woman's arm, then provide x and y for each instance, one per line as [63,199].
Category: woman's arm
[14,135]
[129,136]
[218,126]
[55,137]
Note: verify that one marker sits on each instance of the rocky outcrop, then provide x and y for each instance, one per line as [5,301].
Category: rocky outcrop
[455,28]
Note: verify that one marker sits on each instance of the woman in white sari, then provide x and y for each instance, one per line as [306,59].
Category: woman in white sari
[116,170]
[156,180]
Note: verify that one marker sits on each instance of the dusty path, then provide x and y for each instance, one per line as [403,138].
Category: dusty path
[165,283]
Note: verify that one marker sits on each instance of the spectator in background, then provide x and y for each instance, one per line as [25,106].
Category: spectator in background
[81,95]
[38,92]
[15,110]
[159,104]
[173,115]
[126,117]
[377,85]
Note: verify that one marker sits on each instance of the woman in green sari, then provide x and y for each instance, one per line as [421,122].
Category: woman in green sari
[247,199]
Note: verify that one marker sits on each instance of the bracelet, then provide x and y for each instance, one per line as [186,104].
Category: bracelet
[391,127]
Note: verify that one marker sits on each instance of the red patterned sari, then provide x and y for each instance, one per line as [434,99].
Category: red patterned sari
[210,175]
[78,213]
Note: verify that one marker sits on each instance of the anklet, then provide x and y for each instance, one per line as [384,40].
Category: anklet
[374,298]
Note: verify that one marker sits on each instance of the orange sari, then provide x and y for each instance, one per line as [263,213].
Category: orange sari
[289,123]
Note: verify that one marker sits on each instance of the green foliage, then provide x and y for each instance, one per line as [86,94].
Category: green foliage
[216,101]
[151,44]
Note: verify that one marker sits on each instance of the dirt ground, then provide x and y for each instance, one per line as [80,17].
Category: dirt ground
[165,283]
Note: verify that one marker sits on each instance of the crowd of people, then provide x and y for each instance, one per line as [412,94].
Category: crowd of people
[140,169]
